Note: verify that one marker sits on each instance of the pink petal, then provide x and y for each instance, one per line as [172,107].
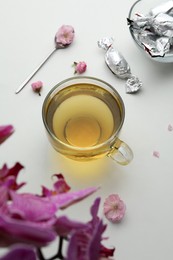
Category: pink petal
[170,127]
[64,200]
[60,185]
[31,207]
[20,252]
[14,231]
[156,154]
[5,132]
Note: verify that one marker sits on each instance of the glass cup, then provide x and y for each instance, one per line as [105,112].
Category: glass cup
[83,117]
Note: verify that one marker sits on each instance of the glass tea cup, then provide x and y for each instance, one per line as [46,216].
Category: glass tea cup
[83,117]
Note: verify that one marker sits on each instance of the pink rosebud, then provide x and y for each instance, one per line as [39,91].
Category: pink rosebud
[64,36]
[114,208]
[37,86]
[80,67]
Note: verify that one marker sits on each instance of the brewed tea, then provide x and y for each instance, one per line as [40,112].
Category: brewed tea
[83,115]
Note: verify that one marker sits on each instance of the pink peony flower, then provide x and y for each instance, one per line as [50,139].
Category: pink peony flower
[64,36]
[80,67]
[37,86]
[114,208]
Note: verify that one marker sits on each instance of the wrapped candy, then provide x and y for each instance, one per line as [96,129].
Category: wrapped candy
[154,31]
[119,66]
[165,7]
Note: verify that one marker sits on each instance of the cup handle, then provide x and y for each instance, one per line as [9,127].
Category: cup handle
[121,152]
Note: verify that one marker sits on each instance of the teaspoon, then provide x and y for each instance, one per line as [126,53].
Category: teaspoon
[65,36]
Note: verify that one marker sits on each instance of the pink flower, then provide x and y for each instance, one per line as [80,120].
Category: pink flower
[114,208]
[64,36]
[80,67]
[37,86]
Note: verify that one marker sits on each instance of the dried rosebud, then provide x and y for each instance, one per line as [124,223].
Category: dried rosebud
[37,86]
[64,36]
[114,208]
[80,67]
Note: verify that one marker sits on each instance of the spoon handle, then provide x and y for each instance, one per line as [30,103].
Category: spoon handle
[34,72]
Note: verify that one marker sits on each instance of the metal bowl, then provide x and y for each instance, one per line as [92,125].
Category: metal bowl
[143,7]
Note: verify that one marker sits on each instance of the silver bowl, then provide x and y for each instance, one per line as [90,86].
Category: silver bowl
[143,7]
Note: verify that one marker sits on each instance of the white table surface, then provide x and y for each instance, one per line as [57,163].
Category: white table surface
[27,31]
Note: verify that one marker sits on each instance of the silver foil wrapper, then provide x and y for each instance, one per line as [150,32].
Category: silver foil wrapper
[119,66]
[165,7]
[154,31]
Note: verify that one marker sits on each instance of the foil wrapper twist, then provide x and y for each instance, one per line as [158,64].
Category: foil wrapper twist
[154,30]
[119,66]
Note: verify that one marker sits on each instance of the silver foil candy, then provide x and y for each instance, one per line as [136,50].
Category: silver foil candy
[165,7]
[154,31]
[119,66]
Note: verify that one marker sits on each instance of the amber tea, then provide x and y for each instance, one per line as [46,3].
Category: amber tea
[83,115]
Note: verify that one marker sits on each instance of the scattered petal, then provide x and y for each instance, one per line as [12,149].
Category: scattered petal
[80,67]
[114,208]
[37,86]
[64,36]
[170,127]
[156,154]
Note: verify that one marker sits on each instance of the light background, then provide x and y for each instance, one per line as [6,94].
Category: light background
[146,185]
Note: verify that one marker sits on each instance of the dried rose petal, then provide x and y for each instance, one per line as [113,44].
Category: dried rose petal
[80,67]
[114,208]
[37,86]
[64,36]
[170,127]
[156,154]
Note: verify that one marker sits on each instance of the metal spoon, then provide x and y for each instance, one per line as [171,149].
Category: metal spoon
[57,47]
